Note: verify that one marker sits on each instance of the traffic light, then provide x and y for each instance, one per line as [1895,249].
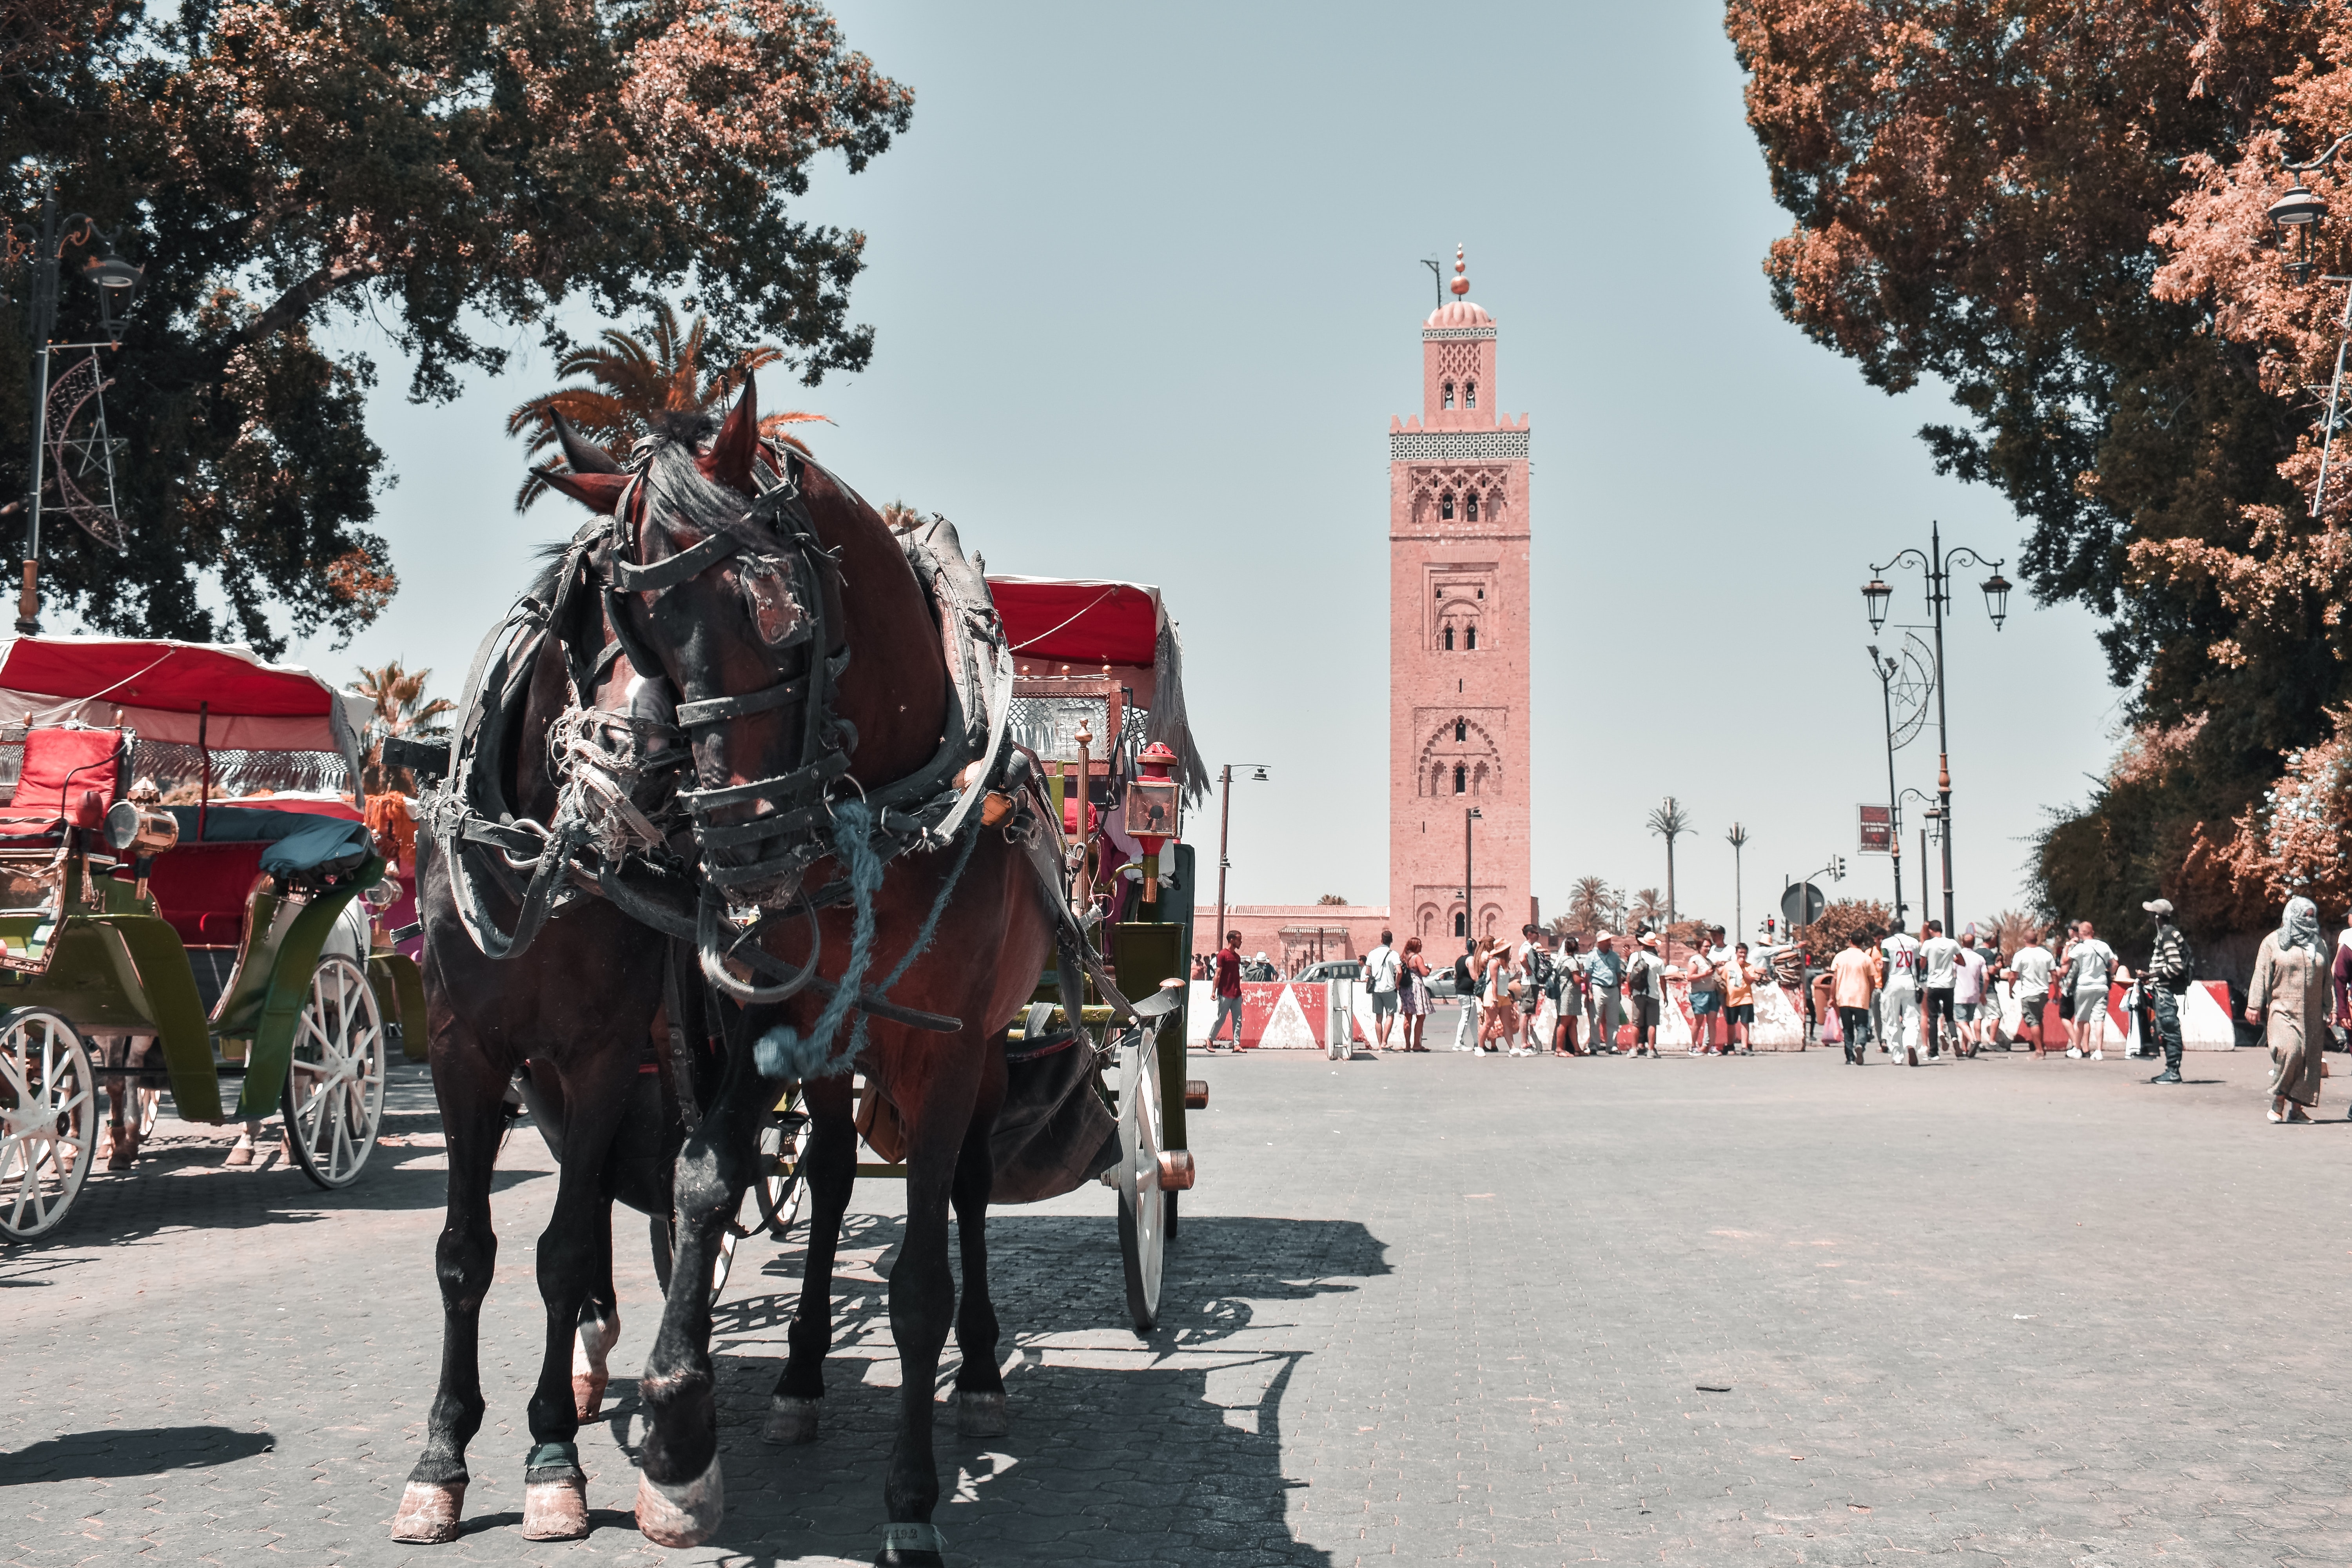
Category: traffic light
[1772,924]
[1837,868]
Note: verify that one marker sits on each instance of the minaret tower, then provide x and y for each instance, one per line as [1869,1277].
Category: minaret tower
[1458,642]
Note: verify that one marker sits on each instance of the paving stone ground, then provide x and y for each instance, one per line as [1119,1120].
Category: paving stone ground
[1771,1310]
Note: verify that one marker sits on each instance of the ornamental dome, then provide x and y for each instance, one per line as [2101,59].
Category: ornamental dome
[1459,313]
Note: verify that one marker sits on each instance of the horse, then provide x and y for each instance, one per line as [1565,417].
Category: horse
[791,743]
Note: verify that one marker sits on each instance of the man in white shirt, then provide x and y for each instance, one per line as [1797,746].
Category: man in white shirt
[2089,966]
[1899,998]
[1938,954]
[2030,968]
[1384,967]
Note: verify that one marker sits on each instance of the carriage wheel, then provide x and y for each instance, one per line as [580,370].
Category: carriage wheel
[774,1192]
[333,1098]
[1143,1216]
[48,1120]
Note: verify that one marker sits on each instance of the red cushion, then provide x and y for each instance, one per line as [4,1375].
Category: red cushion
[57,759]
[201,888]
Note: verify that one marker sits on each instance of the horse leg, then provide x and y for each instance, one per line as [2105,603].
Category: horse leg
[681,1493]
[979,1383]
[829,1171]
[598,1332]
[922,1303]
[473,1114]
[575,1258]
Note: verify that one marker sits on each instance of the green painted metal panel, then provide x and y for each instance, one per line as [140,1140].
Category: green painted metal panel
[1144,955]
[169,987]
[290,987]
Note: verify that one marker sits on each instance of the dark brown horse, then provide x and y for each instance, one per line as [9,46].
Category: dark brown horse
[582,1005]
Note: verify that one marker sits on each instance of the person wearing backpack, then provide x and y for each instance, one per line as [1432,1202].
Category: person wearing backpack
[1383,982]
[2169,964]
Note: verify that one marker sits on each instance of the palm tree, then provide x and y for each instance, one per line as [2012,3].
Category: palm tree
[1737,839]
[1669,822]
[634,379]
[1590,905]
[401,709]
[1649,907]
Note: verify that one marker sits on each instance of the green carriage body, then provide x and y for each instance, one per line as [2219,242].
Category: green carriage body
[94,947]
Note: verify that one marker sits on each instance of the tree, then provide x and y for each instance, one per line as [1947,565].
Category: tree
[1328,898]
[1669,822]
[1591,906]
[1649,908]
[2055,208]
[635,379]
[401,709]
[1842,919]
[425,165]
[1737,839]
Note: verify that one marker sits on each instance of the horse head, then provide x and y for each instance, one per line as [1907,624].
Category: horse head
[726,571]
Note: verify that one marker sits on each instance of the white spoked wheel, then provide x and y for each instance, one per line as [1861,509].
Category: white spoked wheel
[48,1120]
[333,1099]
[1143,1216]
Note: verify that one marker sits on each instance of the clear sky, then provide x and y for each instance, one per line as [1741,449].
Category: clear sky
[1147,286]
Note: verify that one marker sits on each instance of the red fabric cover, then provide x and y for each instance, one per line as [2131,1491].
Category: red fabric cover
[1079,623]
[175,677]
[309,805]
[200,889]
[55,761]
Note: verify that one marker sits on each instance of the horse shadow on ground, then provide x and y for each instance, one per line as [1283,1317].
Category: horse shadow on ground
[117,1453]
[1122,1448]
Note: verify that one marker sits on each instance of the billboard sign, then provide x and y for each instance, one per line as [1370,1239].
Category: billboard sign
[1877,829]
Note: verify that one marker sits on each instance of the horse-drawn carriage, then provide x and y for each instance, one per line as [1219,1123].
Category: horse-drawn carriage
[222,937]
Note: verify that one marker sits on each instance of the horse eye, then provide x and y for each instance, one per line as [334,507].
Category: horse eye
[776,613]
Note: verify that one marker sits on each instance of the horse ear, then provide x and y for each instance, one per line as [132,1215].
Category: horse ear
[738,443]
[584,456]
[597,492]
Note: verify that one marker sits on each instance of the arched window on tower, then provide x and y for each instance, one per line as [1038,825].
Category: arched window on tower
[1445,506]
[1470,636]
[1469,395]
[1474,505]
[1449,639]
[1447,400]
[1461,729]
[1461,778]
[1461,923]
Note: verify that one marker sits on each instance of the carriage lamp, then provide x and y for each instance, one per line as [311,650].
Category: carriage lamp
[1153,810]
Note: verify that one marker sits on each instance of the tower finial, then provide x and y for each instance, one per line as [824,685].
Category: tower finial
[1461,273]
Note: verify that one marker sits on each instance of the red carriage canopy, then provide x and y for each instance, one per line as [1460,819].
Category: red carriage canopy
[1088,623]
[159,687]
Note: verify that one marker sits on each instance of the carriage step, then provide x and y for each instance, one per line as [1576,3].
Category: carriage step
[1196,1094]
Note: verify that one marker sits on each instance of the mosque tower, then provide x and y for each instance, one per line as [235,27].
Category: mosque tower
[1458,643]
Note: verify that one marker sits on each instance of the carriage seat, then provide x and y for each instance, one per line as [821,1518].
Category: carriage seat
[201,887]
[61,766]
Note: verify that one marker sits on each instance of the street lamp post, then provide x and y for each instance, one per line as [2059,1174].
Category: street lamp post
[2298,214]
[1469,883]
[1938,564]
[1225,827]
[111,275]
[1884,669]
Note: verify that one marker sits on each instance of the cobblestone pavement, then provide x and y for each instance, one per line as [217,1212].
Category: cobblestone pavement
[1770,1309]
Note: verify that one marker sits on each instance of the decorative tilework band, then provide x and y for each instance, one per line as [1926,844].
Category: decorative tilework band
[1455,445]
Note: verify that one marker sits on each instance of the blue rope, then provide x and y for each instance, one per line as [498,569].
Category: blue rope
[782,1052]
[922,936]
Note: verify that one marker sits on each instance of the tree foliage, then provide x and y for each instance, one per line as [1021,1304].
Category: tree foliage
[423,166]
[1842,919]
[2055,207]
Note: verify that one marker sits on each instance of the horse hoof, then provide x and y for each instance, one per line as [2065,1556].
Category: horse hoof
[790,1420]
[682,1515]
[911,1546]
[428,1513]
[588,1395]
[555,1510]
[979,1414]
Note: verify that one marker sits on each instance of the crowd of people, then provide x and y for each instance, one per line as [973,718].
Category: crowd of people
[1913,996]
